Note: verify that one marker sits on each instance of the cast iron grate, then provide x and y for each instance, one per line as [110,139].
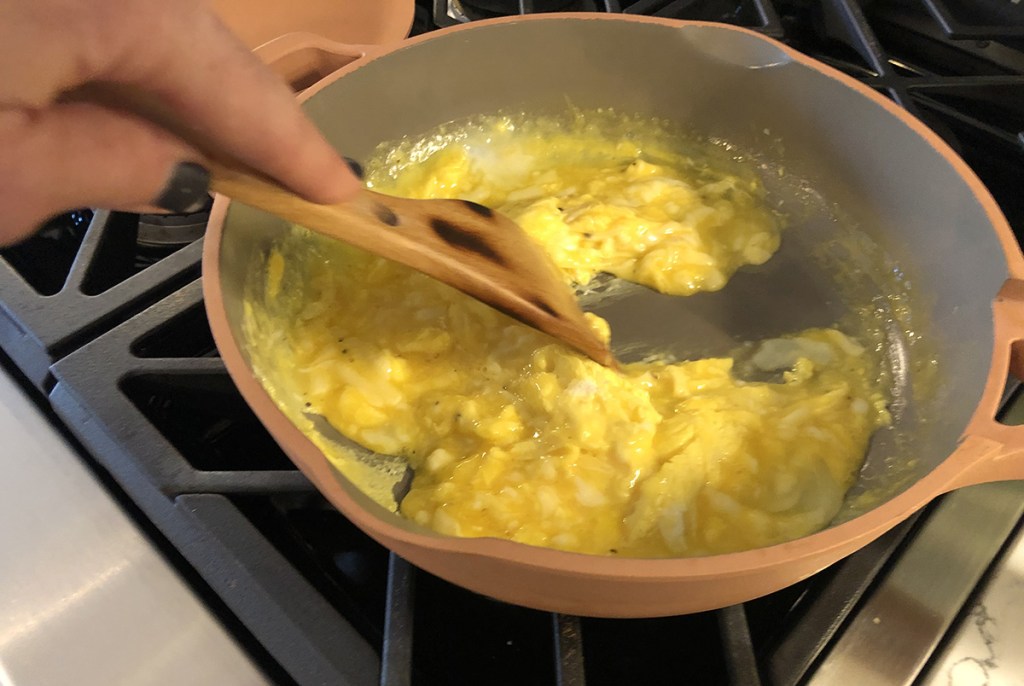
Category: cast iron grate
[979,19]
[204,418]
[152,401]
[756,14]
[84,272]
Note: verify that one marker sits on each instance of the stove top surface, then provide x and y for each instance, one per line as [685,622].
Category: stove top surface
[102,312]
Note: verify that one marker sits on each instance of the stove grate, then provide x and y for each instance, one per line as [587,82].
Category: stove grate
[80,275]
[981,19]
[755,14]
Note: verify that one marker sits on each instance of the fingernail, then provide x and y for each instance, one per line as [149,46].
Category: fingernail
[356,168]
[186,190]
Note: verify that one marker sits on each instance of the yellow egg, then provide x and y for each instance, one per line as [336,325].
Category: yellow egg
[514,436]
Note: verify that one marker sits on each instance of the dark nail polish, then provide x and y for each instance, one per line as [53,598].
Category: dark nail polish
[187,189]
[356,168]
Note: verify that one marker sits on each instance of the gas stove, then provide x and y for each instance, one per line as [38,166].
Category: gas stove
[101,318]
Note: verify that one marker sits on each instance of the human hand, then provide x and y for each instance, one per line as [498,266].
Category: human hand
[59,152]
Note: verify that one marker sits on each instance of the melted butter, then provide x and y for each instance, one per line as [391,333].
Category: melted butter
[513,436]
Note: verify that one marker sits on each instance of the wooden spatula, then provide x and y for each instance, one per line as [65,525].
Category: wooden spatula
[466,245]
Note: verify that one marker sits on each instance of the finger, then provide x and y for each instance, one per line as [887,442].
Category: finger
[212,81]
[82,155]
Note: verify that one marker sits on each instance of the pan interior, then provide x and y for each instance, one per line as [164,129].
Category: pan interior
[880,226]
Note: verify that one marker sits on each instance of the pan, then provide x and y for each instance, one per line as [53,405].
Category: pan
[257,22]
[870,192]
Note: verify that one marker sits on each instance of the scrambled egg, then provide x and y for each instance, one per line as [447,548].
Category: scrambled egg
[515,436]
[601,193]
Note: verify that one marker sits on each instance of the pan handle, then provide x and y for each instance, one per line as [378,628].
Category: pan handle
[305,59]
[990,450]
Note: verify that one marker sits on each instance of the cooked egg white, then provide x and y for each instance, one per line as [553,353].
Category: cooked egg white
[515,436]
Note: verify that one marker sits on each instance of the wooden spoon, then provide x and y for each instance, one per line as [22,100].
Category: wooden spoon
[463,244]
[468,246]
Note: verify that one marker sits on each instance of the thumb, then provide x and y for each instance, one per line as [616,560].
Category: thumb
[78,154]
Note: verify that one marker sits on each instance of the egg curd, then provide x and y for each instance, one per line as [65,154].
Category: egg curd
[515,436]
[601,193]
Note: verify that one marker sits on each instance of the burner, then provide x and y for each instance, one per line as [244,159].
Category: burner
[171,231]
[162,234]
